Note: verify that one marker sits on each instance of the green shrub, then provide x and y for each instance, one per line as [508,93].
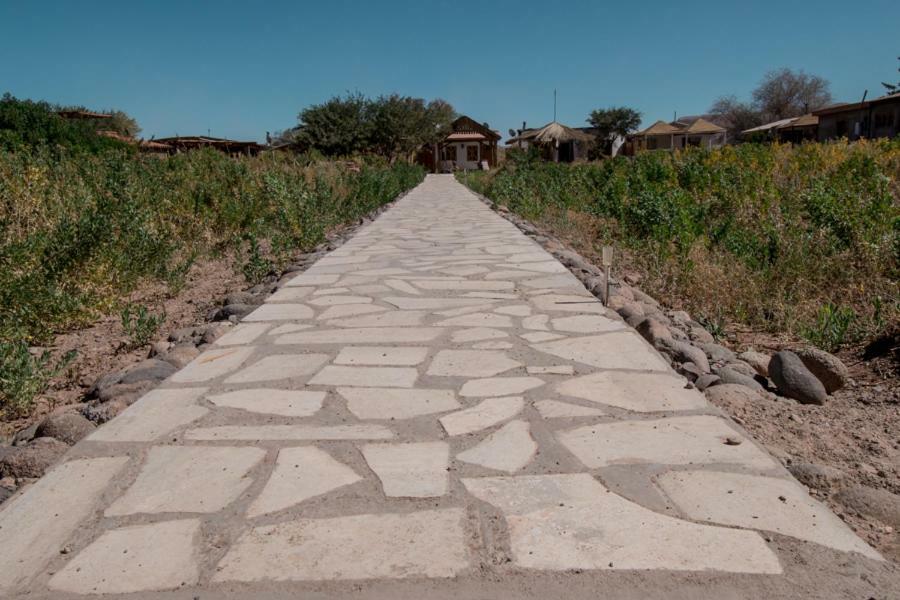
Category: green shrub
[139,324]
[24,375]
[759,234]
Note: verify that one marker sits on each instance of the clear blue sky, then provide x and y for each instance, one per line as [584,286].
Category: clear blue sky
[240,69]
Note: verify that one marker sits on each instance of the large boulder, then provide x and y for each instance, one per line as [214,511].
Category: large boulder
[871,502]
[729,375]
[684,352]
[716,352]
[657,334]
[826,367]
[757,360]
[731,394]
[820,477]
[68,427]
[180,355]
[151,369]
[30,461]
[794,380]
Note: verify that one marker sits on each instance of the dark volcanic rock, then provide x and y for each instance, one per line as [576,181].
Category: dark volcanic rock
[68,427]
[794,380]
[30,461]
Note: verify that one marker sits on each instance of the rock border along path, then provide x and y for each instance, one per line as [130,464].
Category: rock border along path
[443,408]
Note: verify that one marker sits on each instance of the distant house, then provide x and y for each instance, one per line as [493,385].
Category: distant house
[469,145]
[232,147]
[679,134]
[875,118]
[557,142]
[794,130]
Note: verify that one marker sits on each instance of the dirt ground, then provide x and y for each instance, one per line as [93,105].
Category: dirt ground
[100,347]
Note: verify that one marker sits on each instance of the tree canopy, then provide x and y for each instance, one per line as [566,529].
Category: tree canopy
[781,94]
[392,126]
[613,122]
[26,123]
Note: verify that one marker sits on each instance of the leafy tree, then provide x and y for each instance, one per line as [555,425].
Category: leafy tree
[734,115]
[26,124]
[611,123]
[392,126]
[892,88]
[338,127]
[784,93]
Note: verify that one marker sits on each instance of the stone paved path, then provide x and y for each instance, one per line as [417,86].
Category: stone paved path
[435,409]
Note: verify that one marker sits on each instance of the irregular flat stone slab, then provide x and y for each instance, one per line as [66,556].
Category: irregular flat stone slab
[288,403]
[279,366]
[280,312]
[540,336]
[38,522]
[290,328]
[562,522]
[640,392]
[536,322]
[550,370]
[478,319]
[290,432]
[430,543]
[515,310]
[508,449]
[397,318]
[363,335]
[389,403]
[156,414]
[402,287]
[430,303]
[485,414]
[465,285]
[212,364]
[330,291]
[290,294]
[554,409]
[499,386]
[366,376]
[476,334]
[464,271]
[313,279]
[568,303]
[471,363]
[339,300]
[414,470]
[671,441]
[616,350]
[587,324]
[243,333]
[200,479]
[549,266]
[492,345]
[299,474]
[139,558]
[381,355]
[341,311]
[756,502]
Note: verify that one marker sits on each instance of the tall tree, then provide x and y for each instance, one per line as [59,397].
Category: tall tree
[392,126]
[339,126]
[734,115]
[784,93]
[611,123]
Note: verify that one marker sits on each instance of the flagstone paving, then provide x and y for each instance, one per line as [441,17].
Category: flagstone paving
[438,406]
